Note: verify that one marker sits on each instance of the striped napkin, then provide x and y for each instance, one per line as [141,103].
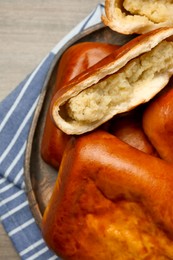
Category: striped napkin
[16,114]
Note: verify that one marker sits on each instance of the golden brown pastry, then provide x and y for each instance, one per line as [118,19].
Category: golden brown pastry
[158,123]
[75,60]
[111,201]
[131,75]
[139,16]
[128,128]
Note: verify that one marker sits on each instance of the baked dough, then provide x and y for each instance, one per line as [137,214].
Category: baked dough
[128,128]
[131,75]
[139,16]
[111,201]
[74,60]
[158,123]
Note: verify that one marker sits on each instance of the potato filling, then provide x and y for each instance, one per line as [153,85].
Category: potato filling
[156,11]
[95,102]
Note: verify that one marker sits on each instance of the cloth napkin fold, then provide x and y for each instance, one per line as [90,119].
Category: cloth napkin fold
[16,114]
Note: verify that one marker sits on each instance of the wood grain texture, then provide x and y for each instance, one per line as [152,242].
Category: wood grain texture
[28,31]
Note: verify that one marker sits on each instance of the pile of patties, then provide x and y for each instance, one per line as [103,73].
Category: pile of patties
[109,134]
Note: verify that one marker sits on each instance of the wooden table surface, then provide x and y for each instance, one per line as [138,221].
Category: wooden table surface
[28,31]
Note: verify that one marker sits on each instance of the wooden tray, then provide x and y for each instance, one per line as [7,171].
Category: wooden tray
[40,177]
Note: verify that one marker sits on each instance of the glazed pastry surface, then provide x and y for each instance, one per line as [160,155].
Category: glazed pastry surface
[111,201]
[75,60]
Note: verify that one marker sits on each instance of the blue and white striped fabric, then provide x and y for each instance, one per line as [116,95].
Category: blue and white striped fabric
[16,113]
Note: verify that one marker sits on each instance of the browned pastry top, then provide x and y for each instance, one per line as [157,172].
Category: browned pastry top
[110,201]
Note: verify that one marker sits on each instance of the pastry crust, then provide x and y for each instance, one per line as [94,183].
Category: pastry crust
[132,75]
[111,201]
[158,123]
[74,60]
[139,16]
[128,128]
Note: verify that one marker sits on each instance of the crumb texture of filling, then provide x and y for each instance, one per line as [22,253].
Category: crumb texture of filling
[156,11]
[94,103]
